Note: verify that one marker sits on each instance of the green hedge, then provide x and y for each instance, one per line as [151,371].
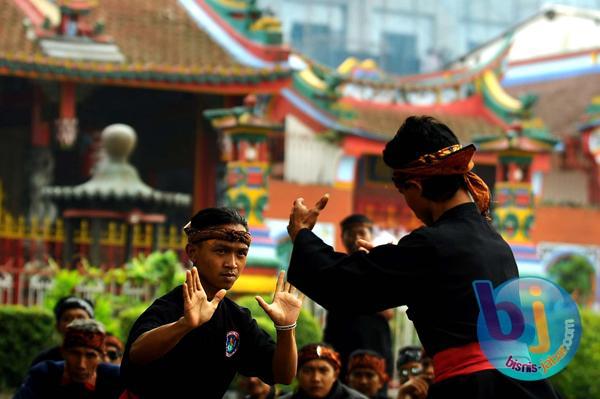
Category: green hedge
[580,379]
[24,332]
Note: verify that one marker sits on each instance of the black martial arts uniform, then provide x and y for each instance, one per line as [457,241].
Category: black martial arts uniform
[205,361]
[431,270]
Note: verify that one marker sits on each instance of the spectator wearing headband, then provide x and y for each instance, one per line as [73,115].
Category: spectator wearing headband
[66,310]
[318,370]
[193,341]
[81,375]
[367,373]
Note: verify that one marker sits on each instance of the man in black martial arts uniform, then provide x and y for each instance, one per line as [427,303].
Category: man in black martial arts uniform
[431,270]
[192,341]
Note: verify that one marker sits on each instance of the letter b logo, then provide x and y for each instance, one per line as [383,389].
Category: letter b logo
[491,313]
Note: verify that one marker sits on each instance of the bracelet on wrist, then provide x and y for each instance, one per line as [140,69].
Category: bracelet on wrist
[285,328]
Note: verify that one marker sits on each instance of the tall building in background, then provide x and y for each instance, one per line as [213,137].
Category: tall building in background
[402,36]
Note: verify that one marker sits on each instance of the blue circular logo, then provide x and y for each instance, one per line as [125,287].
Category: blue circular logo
[528,328]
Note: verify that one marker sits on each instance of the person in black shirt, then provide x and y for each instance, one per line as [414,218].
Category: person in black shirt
[82,375]
[66,310]
[431,270]
[347,331]
[192,341]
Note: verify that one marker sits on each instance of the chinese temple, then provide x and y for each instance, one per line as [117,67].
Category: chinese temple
[228,114]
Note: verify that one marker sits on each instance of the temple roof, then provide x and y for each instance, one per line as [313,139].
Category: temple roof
[467,123]
[562,103]
[161,44]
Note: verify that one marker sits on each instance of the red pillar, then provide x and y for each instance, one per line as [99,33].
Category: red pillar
[205,164]
[67,100]
[40,130]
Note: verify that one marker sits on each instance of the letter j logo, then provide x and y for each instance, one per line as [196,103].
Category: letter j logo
[528,328]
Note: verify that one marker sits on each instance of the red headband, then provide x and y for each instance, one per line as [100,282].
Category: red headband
[216,233]
[368,361]
[87,339]
[453,160]
[315,351]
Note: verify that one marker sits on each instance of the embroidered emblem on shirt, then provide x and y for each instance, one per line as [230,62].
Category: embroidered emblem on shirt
[232,343]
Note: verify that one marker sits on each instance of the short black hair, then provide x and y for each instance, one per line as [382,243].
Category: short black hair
[407,354]
[73,302]
[356,218]
[420,135]
[212,217]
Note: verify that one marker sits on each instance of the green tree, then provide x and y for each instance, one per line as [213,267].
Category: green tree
[573,274]
[579,380]
[159,269]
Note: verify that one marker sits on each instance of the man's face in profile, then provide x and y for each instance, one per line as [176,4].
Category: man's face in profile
[355,232]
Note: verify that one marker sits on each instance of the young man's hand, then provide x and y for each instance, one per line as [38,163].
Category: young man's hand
[364,245]
[197,309]
[287,302]
[303,218]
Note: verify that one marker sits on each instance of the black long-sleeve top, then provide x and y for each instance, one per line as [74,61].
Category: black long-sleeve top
[431,270]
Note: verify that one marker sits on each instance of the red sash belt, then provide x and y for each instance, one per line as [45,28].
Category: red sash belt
[128,395]
[461,360]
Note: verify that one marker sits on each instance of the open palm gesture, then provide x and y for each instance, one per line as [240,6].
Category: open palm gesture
[287,302]
[197,309]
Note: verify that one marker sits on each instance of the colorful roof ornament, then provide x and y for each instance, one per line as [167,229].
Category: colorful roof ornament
[361,70]
[500,102]
[138,53]
[250,35]
[321,88]
[528,135]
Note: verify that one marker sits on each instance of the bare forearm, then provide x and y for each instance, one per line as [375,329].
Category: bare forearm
[156,343]
[285,359]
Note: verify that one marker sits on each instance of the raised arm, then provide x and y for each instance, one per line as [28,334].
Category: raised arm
[386,277]
[284,311]
[197,310]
